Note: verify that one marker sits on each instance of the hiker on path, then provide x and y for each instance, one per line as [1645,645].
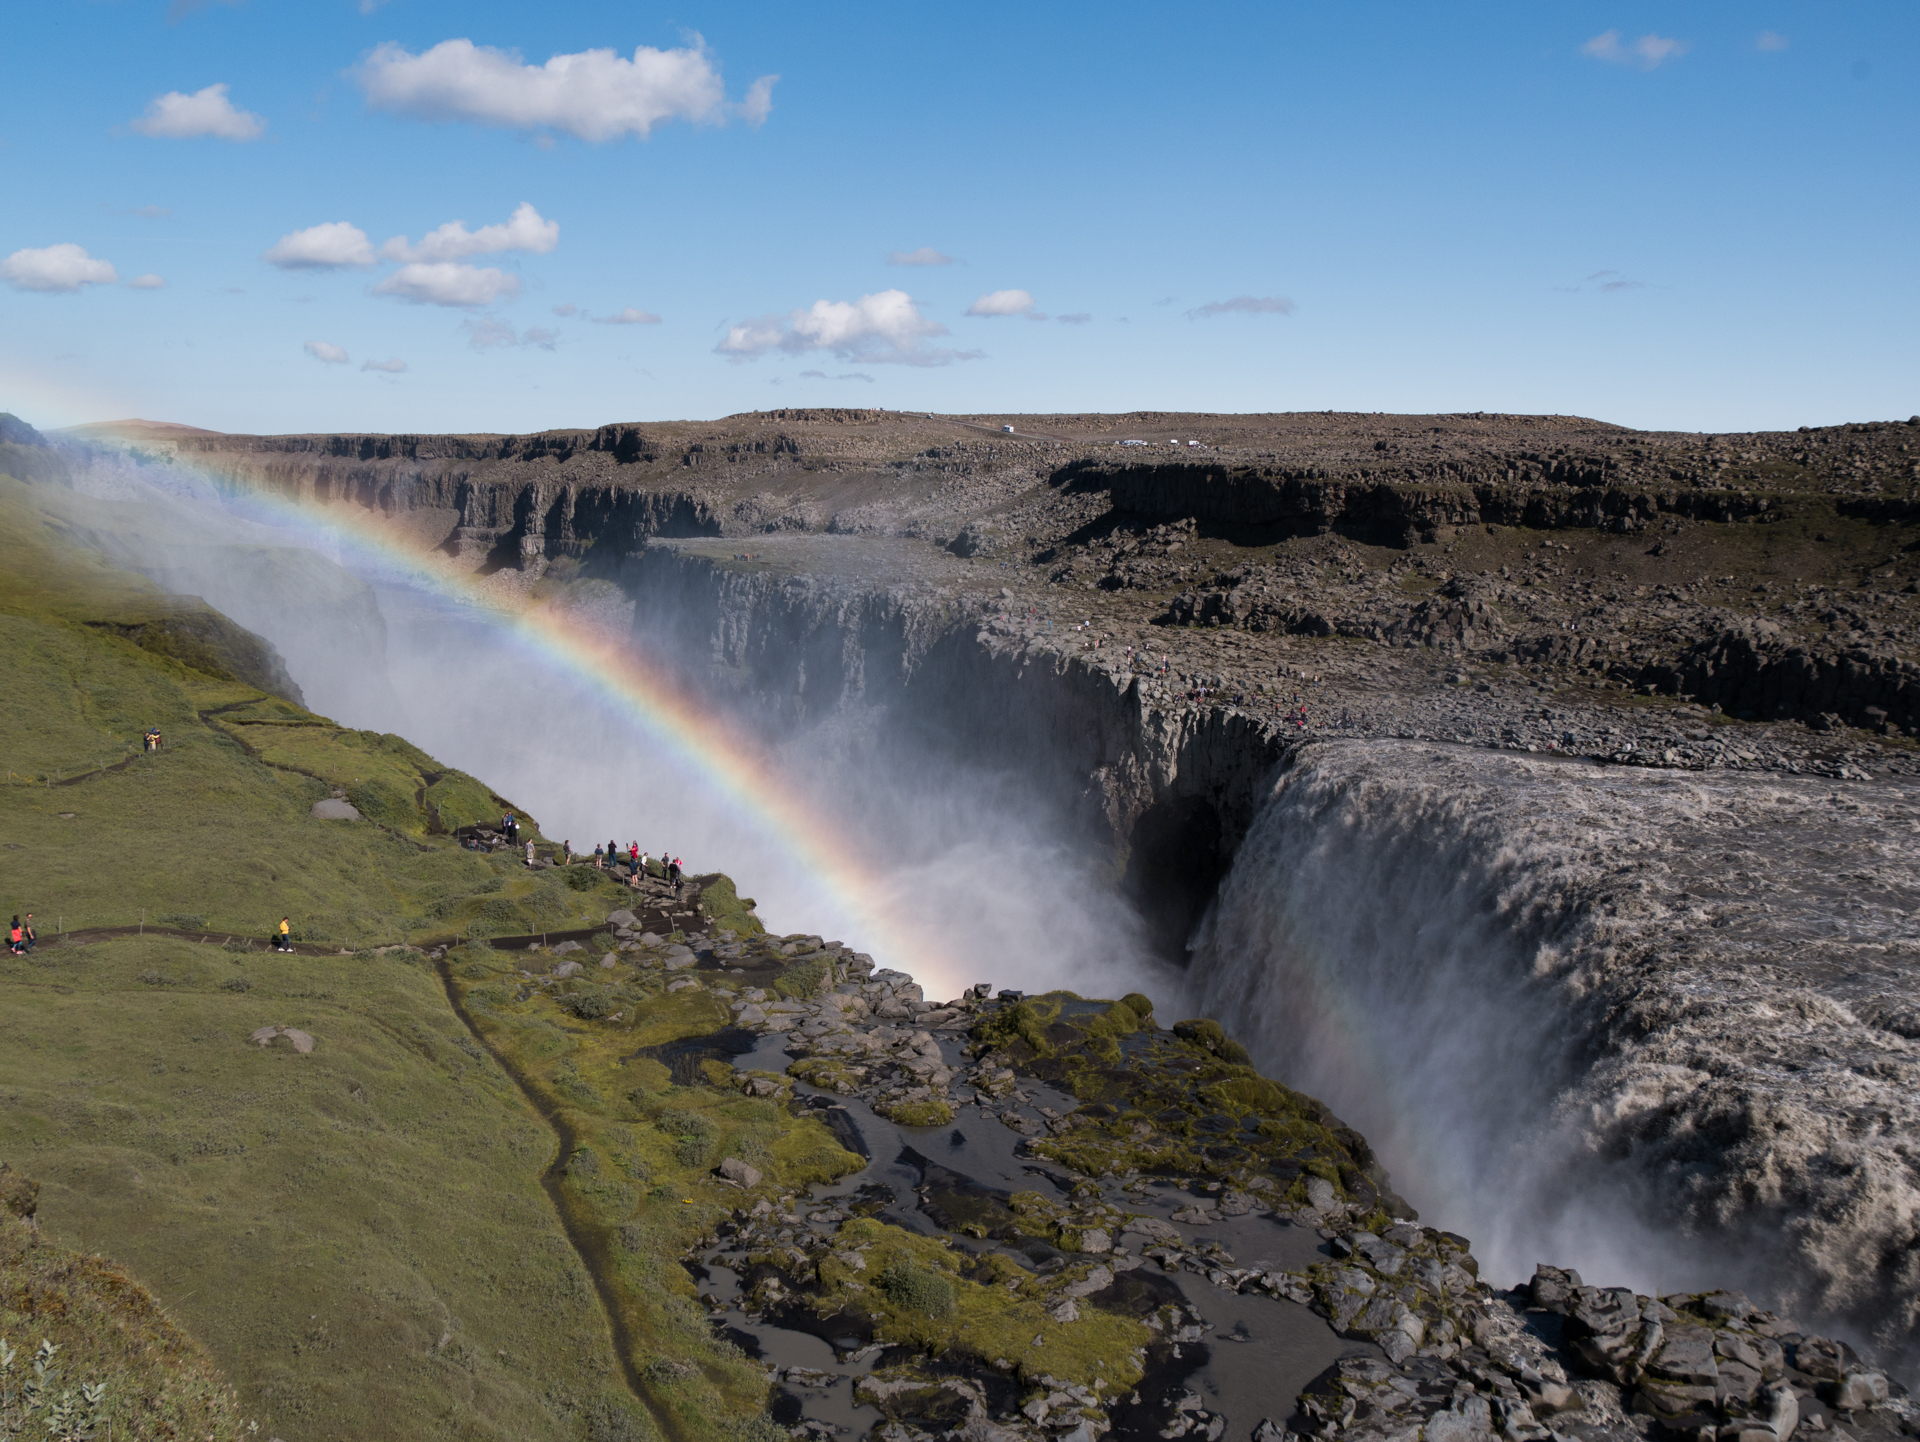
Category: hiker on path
[633,856]
[529,855]
[283,938]
[27,936]
[13,939]
[599,856]
[566,853]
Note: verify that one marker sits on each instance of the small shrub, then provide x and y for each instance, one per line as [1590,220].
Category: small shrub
[661,1371]
[753,1151]
[184,920]
[590,1005]
[695,1134]
[583,878]
[914,1289]
[236,983]
[797,983]
[157,978]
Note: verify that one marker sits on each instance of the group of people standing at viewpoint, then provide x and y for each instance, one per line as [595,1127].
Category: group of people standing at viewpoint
[639,861]
[150,739]
[20,936]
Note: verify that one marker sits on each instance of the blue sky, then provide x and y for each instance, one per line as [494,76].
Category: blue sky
[1692,216]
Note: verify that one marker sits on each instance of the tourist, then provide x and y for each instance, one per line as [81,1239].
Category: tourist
[633,856]
[529,856]
[566,853]
[283,939]
[14,943]
[599,857]
[27,935]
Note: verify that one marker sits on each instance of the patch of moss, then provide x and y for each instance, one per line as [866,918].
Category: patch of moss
[723,907]
[925,1112]
[827,1073]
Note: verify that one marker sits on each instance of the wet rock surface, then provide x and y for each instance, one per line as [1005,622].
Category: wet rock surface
[1117,1228]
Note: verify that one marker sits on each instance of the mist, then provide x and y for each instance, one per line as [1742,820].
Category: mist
[968,876]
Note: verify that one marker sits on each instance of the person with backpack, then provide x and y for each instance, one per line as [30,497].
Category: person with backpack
[27,935]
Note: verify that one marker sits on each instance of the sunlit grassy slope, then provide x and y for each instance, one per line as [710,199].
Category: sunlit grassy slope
[361,1236]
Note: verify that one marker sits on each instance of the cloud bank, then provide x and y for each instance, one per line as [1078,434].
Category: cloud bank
[392,367]
[925,255]
[326,353]
[1647,53]
[147,282]
[883,328]
[1244,305]
[629,316]
[205,113]
[595,94]
[55,268]
[1002,302]
[449,283]
[335,245]
[524,230]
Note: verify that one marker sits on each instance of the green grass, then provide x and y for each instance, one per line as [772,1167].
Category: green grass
[322,1222]
[640,1191]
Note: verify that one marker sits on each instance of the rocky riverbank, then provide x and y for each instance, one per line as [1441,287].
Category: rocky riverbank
[1073,1222]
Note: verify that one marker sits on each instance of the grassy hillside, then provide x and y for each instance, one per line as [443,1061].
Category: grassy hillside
[394,1236]
[99,1350]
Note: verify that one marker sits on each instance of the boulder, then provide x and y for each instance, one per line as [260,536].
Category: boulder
[622,917]
[567,968]
[334,809]
[562,948]
[1321,1196]
[267,1035]
[739,1173]
[1552,1286]
[1857,1390]
[608,961]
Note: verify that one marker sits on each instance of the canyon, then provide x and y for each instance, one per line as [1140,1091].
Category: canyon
[1539,794]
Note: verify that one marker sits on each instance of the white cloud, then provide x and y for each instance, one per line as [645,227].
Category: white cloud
[208,112]
[629,316]
[594,94]
[486,333]
[1647,52]
[63,267]
[568,309]
[392,367]
[325,352]
[448,283]
[883,327]
[1002,302]
[524,230]
[1244,305]
[332,246]
[1770,40]
[757,104]
[147,282]
[925,255]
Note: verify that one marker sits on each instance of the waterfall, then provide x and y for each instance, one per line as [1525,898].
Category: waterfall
[1608,1018]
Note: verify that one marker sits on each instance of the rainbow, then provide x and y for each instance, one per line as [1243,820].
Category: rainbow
[737,769]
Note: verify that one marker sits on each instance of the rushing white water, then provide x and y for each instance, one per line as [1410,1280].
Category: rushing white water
[1645,1024]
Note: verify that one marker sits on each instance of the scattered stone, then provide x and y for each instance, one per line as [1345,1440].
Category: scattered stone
[267,1035]
[739,1173]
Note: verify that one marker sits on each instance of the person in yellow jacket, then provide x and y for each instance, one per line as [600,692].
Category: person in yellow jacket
[283,940]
